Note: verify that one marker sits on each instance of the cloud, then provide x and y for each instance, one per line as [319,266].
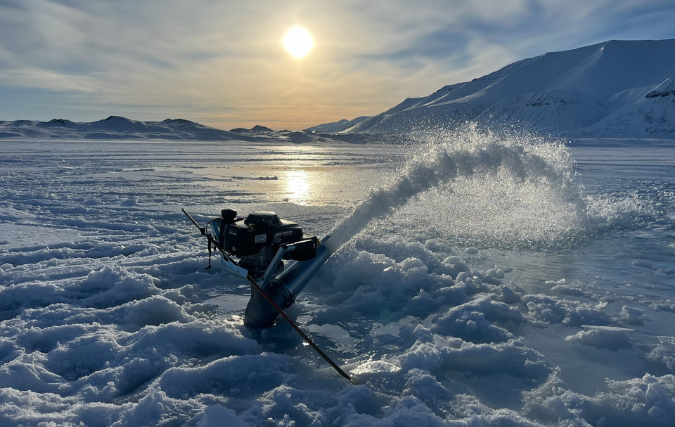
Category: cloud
[222,61]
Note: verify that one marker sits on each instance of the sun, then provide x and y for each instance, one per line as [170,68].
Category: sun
[298,42]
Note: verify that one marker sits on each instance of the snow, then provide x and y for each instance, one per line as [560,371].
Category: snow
[640,401]
[612,338]
[486,279]
[632,315]
[652,115]
[664,353]
[561,109]
[335,127]
[217,415]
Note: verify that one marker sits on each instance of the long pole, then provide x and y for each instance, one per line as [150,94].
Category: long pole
[298,330]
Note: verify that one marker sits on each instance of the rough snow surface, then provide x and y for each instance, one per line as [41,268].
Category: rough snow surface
[492,280]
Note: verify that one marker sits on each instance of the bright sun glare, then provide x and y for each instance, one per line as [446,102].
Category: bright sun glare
[298,42]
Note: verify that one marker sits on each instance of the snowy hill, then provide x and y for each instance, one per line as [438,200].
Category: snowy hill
[121,128]
[258,132]
[254,129]
[653,114]
[615,88]
[335,127]
[115,127]
[563,109]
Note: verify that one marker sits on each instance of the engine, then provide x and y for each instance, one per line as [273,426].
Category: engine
[255,240]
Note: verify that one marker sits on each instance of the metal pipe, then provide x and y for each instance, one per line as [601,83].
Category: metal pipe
[283,289]
[299,274]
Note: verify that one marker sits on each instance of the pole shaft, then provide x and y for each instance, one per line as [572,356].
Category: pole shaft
[298,330]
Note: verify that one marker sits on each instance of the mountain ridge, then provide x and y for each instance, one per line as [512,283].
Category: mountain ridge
[614,84]
[117,127]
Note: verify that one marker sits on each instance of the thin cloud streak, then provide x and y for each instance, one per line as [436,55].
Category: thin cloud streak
[222,63]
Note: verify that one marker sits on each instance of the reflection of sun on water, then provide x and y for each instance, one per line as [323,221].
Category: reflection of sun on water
[297,186]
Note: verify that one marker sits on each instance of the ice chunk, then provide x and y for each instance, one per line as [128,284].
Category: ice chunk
[632,315]
[608,337]
[217,416]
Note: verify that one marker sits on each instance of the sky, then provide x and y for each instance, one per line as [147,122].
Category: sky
[222,62]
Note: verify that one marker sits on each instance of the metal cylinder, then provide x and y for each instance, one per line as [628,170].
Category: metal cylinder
[283,289]
[260,313]
[299,274]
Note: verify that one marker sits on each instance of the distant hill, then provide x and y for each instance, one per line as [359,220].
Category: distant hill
[610,89]
[121,128]
[254,129]
[335,127]
[115,127]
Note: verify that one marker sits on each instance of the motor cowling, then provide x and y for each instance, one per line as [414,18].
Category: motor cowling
[259,230]
[256,239]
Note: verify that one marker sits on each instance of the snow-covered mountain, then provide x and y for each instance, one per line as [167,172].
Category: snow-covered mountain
[615,88]
[257,129]
[653,114]
[115,127]
[335,127]
[121,128]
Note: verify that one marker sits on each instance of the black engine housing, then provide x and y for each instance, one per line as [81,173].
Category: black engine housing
[259,230]
[256,239]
